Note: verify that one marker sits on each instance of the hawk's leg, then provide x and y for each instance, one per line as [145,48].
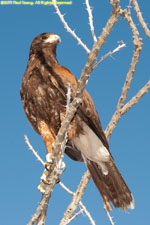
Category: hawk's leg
[48,136]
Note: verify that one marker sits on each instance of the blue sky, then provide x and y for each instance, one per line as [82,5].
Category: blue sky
[19,170]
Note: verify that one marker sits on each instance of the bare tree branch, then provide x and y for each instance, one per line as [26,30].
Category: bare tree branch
[66,188]
[137,48]
[136,98]
[65,138]
[80,203]
[110,53]
[140,17]
[87,213]
[32,150]
[68,28]
[90,20]
[73,217]
[108,215]
[129,7]
[76,199]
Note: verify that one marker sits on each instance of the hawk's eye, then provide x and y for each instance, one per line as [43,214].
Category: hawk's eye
[44,38]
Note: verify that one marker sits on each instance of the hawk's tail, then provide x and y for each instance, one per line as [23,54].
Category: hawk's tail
[111,186]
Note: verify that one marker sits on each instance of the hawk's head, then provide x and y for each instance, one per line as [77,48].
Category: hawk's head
[45,40]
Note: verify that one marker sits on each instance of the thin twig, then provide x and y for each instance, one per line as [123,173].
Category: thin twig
[32,150]
[136,98]
[137,41]
[68,28]
[80,203]
[129,7]
[110,53]
[74,216]
[66,188]
[140,17]
[87,213]
[89,10]
[108,215]
[76,199]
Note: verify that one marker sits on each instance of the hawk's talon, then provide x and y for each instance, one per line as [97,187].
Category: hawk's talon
[63,166]
[47,166]
[45,182]
[41,188]
[58,180]
[49,157]
[49,160]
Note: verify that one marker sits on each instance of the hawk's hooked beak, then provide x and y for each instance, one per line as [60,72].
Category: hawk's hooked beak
[53,38]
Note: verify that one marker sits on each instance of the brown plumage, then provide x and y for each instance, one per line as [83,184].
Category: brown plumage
[43,93]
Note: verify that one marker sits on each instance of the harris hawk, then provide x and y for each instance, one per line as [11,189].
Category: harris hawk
[44,96]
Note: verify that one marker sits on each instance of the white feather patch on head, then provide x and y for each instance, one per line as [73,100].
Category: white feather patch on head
[53,38]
